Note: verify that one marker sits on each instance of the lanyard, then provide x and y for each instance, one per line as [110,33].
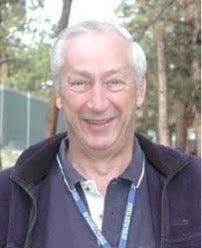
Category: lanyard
[84,212]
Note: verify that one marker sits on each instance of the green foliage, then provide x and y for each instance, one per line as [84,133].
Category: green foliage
[12,14]
[23,65]
[182,35]
[29,69]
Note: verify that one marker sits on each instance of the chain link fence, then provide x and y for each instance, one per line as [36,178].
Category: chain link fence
[22,120]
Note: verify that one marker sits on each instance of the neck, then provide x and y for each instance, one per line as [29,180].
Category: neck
[101,169]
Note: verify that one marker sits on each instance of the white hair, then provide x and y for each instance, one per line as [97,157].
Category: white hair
[57,58]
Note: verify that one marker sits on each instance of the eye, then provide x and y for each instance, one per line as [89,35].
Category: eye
[115,85]
[79,86]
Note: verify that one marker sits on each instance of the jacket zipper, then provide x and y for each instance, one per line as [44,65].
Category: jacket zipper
[33,212]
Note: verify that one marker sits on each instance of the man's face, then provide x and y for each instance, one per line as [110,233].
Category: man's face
[98,92]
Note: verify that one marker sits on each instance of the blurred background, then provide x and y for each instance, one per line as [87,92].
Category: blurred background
[169,32]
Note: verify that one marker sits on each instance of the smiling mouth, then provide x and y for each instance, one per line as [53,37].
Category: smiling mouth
[99,122]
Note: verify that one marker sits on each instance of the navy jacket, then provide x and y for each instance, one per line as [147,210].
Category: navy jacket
[174,190]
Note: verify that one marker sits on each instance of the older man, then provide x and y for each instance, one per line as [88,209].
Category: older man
[101,185]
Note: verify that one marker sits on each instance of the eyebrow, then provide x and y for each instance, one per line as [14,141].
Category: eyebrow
[111,72]
[87,74]
[81,73]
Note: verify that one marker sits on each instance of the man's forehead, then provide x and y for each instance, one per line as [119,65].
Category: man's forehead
[96,49]
[96,53]
[82,38]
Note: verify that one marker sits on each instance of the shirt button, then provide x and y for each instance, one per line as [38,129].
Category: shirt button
[87,188]
[101,216]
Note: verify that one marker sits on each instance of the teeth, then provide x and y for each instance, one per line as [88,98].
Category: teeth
[98,122]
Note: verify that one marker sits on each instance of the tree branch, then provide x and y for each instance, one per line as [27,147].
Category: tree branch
[157,17]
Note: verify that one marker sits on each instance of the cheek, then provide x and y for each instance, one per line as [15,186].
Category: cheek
[128,109]
[125,102]
[72,104]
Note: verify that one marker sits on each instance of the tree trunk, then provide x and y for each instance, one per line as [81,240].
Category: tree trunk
[52,115]
[196,74]
[53,111]
[163,133]
[64,19]
[3,68]
[181,125]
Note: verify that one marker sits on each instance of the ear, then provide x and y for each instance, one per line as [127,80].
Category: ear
[59,102]
[141,90]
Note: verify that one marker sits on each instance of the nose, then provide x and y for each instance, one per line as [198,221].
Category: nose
[98,101]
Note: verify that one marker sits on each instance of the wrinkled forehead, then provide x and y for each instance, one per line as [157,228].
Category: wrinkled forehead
[96,45]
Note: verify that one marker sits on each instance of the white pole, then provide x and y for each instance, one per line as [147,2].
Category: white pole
[28,119]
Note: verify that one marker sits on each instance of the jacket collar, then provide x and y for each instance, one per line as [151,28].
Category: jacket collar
[165,160]
[34,163]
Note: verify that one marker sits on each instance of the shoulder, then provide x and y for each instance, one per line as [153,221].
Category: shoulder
[190,175]
[46,149]
[35,162]
[168,161]
[182,166]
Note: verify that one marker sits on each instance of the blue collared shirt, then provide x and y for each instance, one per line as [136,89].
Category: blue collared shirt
[67,228]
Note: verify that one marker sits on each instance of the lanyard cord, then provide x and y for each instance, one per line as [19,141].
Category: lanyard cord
[127,216]
[84,212]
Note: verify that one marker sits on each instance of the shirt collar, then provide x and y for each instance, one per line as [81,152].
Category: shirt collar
[131,173]
[73,177]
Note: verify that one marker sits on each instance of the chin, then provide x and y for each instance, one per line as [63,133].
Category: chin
[100,144]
